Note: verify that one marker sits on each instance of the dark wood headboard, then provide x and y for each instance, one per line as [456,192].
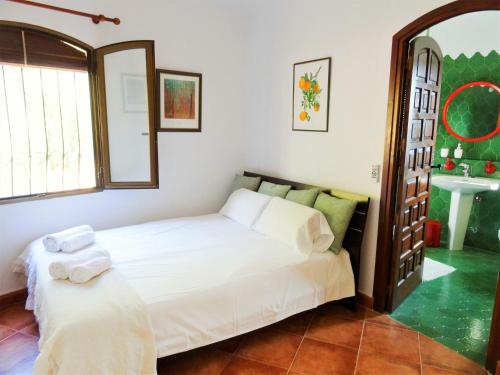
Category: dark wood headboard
[355,232]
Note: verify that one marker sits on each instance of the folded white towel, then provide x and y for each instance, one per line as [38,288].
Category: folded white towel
[61,268]
[82,273]
[77,241]
[52,242]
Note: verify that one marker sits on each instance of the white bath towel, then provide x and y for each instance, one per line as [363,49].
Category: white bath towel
[77,241]
[83,272]
[101,327]
[52,242]
[60,269]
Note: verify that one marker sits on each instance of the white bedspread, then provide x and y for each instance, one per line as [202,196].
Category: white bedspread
[100,327]
[208,278]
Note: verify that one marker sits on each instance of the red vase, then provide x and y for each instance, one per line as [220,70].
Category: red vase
[490,167]
[449,164]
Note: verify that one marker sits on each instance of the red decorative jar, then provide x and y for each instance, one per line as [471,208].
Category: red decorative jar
[449,164]
[490,167]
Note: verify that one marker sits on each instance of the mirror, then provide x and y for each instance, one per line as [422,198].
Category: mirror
[125,77]
[471,112]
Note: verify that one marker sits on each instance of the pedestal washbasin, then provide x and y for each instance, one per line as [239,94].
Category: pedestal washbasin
[462,195]
[465,185]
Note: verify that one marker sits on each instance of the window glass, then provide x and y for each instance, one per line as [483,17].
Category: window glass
[46,129]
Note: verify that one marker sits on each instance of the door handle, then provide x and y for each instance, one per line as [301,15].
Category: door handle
[144,133]
[438,166]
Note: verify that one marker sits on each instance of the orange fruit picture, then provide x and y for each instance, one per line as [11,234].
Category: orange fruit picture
[311,94]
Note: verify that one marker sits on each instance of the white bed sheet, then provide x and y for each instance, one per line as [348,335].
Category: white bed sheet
[208,278]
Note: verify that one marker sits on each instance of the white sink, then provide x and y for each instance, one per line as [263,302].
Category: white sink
[465,185]
[462,195]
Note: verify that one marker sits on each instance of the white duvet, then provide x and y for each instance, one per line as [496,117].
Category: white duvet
[100,327]
[207,278]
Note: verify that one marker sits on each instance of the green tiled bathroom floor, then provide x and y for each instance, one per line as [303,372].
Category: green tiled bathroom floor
[456,309]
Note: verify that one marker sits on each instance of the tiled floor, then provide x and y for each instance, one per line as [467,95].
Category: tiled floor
[456,309]
[327,340]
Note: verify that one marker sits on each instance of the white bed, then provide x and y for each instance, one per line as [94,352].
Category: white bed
[208,278]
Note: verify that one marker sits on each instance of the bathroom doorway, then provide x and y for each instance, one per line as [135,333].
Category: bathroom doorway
[445,291]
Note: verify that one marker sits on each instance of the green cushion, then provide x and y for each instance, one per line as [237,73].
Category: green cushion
[305,197]
[338,213]
[274,190]
[348,195]
[245,182]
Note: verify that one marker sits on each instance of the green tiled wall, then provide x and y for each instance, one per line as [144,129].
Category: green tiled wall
[472,113]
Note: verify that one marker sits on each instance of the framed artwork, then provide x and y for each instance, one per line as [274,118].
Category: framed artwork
[311,95]
[179,101]
[135,97]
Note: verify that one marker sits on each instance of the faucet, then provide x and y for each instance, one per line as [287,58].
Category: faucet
[466,168]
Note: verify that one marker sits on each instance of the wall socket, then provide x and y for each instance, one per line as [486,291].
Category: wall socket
[375,172]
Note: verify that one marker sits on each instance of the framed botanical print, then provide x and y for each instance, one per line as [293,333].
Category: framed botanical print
[311,95]
[179,101]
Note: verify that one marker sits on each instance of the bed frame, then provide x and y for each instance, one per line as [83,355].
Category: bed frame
[355,231]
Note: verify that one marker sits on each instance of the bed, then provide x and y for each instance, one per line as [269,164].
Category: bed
[207,278]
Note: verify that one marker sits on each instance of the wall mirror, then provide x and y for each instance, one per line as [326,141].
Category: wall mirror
[125,79]
[471,112]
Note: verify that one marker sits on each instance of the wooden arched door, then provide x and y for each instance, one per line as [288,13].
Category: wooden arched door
[420,120]
[383,282]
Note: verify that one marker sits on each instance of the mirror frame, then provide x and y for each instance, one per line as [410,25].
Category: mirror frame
[450,99]
[148,46]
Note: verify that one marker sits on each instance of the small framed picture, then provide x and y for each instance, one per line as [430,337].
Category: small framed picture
[311,95]
[179,101]
[135,96]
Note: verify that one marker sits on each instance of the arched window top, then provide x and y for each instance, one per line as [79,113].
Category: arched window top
[24,45]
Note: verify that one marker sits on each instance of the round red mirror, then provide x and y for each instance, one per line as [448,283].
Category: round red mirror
[453,95]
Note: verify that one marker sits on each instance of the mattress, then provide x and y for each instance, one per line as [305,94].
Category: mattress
[207,278]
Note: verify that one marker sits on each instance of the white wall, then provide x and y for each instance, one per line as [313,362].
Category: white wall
[357,35]
[195,169]
[468,34]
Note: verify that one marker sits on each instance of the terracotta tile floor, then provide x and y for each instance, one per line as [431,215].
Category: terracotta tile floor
[328,340]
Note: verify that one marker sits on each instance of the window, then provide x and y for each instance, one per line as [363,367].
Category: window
[46,122]
[63,117]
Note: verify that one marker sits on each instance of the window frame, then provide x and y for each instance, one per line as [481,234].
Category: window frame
[99,122]
[95,119]
[107,181]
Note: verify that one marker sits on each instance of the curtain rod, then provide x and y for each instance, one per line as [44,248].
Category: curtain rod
[96,18]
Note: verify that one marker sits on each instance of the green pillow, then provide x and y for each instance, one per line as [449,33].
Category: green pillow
[305,197]
[274,190]
[338,213]
[245,182]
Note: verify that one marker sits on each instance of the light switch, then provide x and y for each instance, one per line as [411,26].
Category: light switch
[375,172]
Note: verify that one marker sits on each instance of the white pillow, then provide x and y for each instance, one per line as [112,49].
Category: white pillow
[245,206]
[301,227]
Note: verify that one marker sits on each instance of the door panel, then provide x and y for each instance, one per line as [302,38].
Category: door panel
[418,139]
